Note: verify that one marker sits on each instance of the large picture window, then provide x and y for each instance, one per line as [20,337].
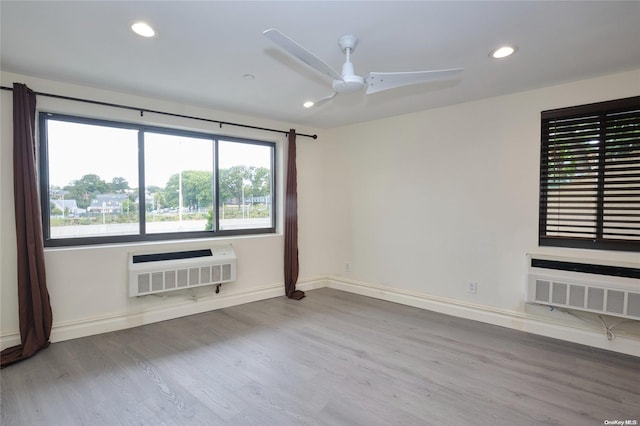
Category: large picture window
[590,176]
[104,182]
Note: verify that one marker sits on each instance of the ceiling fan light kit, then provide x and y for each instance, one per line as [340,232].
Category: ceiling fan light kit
[348,81]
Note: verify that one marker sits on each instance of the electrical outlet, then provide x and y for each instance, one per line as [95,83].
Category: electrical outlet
[472,287]
[347,267]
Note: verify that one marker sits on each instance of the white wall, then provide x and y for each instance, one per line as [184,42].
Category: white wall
[418,205]
[88,285]
[439,198]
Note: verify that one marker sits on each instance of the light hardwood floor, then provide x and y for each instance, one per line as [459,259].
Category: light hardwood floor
[333,358]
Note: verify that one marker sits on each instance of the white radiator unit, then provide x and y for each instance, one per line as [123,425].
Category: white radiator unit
[151,273]
[571,284]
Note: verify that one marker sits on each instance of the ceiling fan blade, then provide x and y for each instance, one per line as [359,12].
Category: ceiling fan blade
[300,52]
[379,81]
[322,101]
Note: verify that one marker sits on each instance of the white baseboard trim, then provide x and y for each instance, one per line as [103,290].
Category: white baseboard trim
[9,340]
[312,283]
[487,314]
[90,326]
[490,315]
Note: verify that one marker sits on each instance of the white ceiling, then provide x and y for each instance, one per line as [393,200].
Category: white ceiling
[203,50]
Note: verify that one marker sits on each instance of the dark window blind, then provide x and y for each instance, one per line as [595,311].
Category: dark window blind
[590,176]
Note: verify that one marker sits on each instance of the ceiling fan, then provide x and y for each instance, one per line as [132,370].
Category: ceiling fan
[348,81]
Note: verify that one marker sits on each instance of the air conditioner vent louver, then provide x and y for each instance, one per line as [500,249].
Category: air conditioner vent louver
[604,293]
[151,273]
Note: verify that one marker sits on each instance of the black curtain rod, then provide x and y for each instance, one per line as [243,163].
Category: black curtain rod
[143,110]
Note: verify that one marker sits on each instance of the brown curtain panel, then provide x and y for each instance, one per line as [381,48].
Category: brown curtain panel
[33,298]
[291,265]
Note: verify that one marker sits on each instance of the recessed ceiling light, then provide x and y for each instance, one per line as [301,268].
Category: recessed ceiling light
[308,104]
[249,77]
[143,29]
[502,52]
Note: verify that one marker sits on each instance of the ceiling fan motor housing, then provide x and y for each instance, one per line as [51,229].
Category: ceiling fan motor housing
[350,82]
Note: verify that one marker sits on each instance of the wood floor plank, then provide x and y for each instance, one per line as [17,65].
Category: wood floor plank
[332,358]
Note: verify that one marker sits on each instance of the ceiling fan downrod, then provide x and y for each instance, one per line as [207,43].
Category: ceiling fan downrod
[350,81]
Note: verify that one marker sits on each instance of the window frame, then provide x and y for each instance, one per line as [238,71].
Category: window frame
[142,235]
[601,110]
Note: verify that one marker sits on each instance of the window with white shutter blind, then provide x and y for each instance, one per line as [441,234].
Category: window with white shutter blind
[590,176]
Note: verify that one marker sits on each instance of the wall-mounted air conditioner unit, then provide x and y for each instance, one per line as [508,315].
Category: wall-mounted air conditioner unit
[575,284]
[151,273]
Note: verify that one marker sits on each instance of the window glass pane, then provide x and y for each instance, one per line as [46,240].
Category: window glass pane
[590,176]
[178,183]
[246,185]
[91,168]
[621,208]
[571,171]
[93,179]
